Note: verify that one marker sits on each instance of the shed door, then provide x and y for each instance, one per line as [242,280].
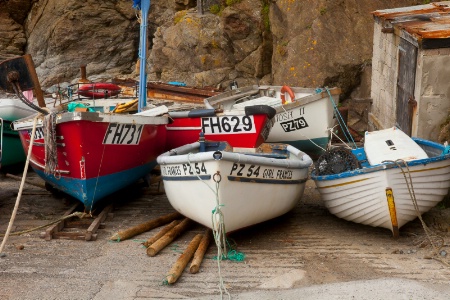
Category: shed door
[407,54]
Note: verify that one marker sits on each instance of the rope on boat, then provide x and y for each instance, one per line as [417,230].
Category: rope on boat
[339,118]
[436,241]
[51,156]
[19,194]
[219,231]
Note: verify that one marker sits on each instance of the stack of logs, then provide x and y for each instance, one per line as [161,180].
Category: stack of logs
[176,225]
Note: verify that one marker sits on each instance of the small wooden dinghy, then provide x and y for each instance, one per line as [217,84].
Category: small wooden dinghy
[247,188]
[387,183]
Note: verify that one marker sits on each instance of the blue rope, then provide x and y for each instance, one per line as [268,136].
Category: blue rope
[137,4]
[341,122]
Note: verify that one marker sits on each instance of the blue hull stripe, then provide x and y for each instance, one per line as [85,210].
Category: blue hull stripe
[186,178]
[91,190]
[266,181]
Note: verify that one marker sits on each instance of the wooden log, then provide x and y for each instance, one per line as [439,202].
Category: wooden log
[162,232]
[201,250]
[129,233]
[168,238]
[183,260]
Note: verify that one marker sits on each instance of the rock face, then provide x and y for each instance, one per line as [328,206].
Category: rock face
[294,42]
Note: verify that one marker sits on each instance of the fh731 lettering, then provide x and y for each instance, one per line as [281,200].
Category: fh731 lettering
[228,125]
[123,134]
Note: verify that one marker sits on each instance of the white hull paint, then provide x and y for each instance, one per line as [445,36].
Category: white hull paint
[360,195]
[250,190]
[307,118]
[13,109]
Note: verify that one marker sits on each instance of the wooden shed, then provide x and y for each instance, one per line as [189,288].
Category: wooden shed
[411,69]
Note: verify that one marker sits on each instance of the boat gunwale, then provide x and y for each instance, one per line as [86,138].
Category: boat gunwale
[64,117]
[388,165]
[182,155]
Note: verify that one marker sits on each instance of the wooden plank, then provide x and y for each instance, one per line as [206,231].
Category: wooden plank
[48,234]
[35,79]
[96,223]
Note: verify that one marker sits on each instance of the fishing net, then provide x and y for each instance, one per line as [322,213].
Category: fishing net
[336,161]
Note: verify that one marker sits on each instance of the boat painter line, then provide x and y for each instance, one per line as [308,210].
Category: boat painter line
[343,184]
[425,170]
[183,178]
[43,167]
[267,181]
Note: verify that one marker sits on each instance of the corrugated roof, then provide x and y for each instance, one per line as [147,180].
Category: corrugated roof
[431,21]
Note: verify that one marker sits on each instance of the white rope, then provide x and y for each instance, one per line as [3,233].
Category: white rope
[19,194]
[219,231]
[331,137]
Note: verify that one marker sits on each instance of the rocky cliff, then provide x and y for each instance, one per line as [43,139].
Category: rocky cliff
[295,42]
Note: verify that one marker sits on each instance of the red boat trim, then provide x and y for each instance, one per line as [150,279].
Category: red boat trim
[184,128]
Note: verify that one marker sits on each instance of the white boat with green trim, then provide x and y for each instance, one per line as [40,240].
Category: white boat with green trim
[211,184]
[11,151]
[390,181]
[304,115]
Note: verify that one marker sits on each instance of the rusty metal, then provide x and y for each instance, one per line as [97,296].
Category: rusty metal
[424,22]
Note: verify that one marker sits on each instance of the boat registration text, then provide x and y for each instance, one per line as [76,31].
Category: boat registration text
[228,125]
[237,169]
[123,134]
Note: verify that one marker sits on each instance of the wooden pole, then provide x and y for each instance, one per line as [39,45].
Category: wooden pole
[129,233]
[201,250]
[168,238]
[34,78]
[183,260]
[162,232]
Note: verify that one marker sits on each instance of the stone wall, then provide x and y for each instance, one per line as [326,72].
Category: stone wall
[384,78]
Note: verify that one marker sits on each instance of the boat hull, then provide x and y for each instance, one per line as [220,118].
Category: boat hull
[362,195]
[239,131]
[10,145]
[303,123]
[11,149]
[246,190]
[97,154]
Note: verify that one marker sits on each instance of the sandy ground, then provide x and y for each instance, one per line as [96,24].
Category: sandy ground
[305,254]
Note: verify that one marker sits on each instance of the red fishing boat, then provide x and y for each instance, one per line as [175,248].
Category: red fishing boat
[244,129]
[90,155]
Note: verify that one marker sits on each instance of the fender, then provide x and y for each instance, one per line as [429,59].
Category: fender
[99,90]
[286,89]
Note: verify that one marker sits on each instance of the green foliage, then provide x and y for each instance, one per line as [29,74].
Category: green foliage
[323,11]
[215,9]
[231,2]
[265,15]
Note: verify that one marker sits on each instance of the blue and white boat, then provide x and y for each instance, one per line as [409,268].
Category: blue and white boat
[390,181]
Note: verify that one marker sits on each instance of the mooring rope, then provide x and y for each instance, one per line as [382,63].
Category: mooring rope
[401,164]
[340,120]
[19,194]
[51,155]
[219,231]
